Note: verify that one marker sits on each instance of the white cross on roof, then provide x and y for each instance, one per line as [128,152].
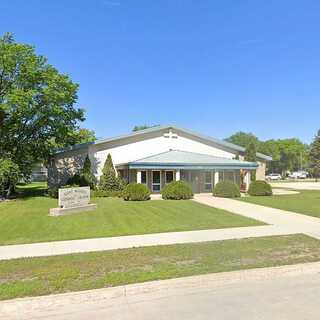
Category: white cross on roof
[170,135]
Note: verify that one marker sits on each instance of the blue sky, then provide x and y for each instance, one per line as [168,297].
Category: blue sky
[212,66]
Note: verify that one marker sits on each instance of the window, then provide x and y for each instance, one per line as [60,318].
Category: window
[144,177]
[169,176]
[229,175]
[208,181]
[156,181]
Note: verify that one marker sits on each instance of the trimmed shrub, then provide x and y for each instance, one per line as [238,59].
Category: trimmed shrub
[260,188]
[177,190]
[136,192]
[226,189]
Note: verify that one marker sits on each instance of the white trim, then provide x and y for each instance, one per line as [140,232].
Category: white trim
[247,180]
[178,175]
[138,176]
[216,177]
[156,184]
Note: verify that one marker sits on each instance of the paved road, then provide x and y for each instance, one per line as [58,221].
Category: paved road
[283,293]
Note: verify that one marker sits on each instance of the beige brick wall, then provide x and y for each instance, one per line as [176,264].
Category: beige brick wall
[261,170]
[62,167]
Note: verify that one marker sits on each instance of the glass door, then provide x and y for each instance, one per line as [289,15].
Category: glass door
[208,181]
[156,181]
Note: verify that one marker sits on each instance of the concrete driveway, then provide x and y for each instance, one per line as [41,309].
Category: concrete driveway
[297,185]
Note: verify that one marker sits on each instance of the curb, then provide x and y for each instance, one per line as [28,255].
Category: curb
[24,306]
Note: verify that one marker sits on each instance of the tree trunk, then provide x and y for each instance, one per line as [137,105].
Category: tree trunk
[10,191]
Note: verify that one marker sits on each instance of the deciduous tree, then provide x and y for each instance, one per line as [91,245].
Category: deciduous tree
[315,156]
[37,105]
[251,155]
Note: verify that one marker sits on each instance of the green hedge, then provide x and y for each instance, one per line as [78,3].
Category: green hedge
[260,188]
[98,193]
[177,190]
[226,189]
[136,192]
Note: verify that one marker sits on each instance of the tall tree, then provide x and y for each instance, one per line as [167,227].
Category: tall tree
[251,155]
[243,139]
[315,156]
[84,135]
[36,105]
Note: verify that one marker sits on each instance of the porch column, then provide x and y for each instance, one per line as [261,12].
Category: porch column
[248,180]
[177,175]
[138,176]
[216,177]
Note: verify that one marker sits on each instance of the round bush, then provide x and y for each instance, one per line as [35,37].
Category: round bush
[136,192]
[226,189]
[260,188]
[177,190]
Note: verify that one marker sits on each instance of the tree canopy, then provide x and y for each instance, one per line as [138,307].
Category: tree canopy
[288,154]
[251,155]
[143,127]
[37,106]
[315,155]
[243,139]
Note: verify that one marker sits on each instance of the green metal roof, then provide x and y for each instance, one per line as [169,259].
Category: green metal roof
[189,160]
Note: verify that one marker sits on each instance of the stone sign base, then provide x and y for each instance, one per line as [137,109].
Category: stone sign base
[64,211]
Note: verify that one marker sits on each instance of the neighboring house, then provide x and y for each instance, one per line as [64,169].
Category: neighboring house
[159,155]
[39,173]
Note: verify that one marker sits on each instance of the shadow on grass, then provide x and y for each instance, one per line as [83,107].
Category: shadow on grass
[34,189]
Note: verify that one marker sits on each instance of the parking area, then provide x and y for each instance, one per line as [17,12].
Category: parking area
[297,185]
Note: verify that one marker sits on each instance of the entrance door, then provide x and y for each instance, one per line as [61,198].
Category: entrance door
[208,177]
[156,181]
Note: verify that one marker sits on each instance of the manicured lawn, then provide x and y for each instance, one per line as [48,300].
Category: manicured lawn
[306,202]
[26,219]
[47,275]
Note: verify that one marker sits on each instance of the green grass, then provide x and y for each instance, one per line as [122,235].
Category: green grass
[305,202]
[57,274]
[26,219]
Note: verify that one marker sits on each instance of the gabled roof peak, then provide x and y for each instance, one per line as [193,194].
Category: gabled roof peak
[222,143]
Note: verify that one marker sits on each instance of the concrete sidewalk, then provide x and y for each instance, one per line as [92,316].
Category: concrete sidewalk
[112,243]
[296,222]
[175,298]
